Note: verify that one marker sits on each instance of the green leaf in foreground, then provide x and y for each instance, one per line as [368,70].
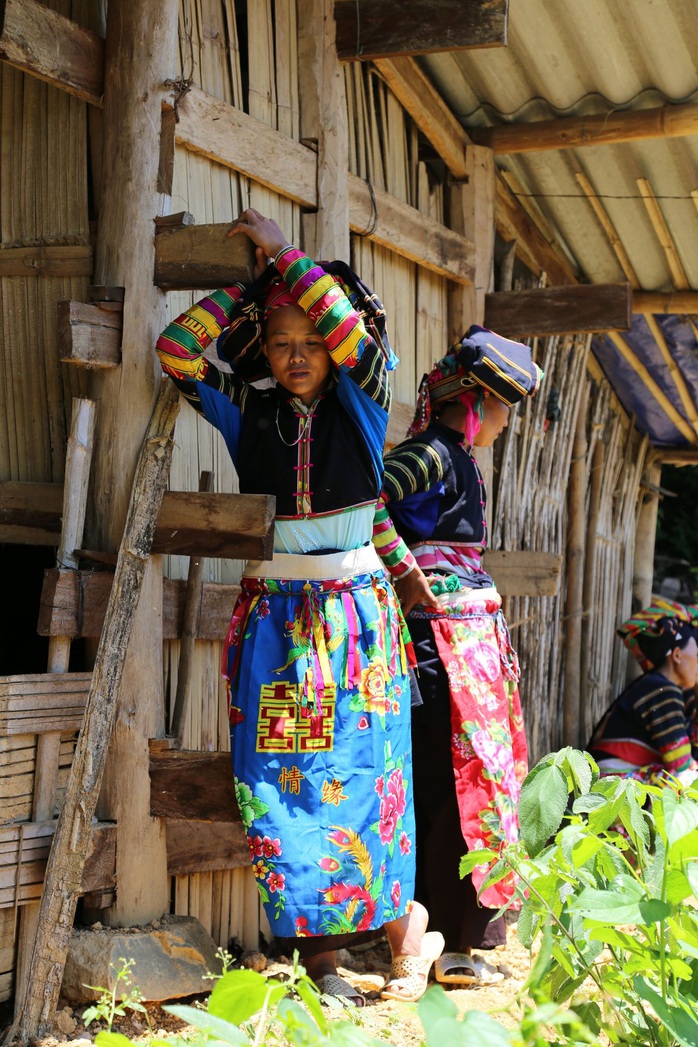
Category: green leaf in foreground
[542,805]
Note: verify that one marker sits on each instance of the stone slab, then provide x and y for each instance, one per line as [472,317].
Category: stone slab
[172,957]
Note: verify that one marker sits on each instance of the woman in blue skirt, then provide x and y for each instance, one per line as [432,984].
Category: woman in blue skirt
[319,692]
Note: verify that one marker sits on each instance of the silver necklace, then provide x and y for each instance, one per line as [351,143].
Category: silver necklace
[304,426]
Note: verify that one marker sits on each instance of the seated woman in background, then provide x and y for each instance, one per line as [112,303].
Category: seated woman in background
[649,731]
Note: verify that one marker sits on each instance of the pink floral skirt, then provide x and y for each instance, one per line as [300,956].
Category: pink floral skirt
[488,741]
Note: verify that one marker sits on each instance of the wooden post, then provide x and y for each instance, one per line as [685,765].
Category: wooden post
[645,539]
[323,112]
[471,213]
[574,603]
[192,604]
[141,54]
[71,839]
[595,484]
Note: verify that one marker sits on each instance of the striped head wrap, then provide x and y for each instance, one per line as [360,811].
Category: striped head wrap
[482,363]
[652,633]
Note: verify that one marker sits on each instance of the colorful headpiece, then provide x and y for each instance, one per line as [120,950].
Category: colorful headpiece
[652,633]
[240,345]
[482,361]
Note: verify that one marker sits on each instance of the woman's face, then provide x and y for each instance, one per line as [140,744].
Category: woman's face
[685,661]
[494,420]
[297,353]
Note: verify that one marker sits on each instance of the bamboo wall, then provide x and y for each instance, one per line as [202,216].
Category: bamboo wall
[531,512]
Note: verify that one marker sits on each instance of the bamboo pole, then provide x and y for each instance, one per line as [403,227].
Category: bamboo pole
[609,229]
[575,132]
[661,229]
[71,839]
[574,606]
[590,572]
[677,377]
[645,539]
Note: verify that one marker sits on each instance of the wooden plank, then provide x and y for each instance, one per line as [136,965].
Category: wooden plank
[90,335]
[410,233]
[192,785]
[46,261]
[230,525]
[23,882]
[239,526]
[569,309]
[41,702]
[383,28]
[223,133]
[577,132]
[198,257]
[53,48]
[196,846]
[524,573]
[73,603]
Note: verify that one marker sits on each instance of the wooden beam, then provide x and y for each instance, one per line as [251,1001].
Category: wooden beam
[576,132]
[46,261]
[197,846]
[197,257]
[36,703]
[230,525]
[46,44]
[24,851]
[609,229]
[90,335]
[192,785]
[652,387]
[673,303]
[672,456]
[524,573]
[239,526]
[408,232]
[247,145]
[384,28]
[73,603]
[559,310]
[661,229]
[417,95]
[531,246]
[217,130]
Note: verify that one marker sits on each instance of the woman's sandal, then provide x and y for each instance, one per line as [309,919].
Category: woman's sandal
[333,985]
[409,974]
[457,968]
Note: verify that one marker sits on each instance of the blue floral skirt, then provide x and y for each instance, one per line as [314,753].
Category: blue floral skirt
[320,738]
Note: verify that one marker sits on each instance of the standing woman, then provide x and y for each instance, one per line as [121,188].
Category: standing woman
[469,746]
[319,693]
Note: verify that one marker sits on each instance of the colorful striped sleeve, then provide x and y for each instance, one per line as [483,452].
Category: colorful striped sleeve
[182,344]
[326,304]
[389,545]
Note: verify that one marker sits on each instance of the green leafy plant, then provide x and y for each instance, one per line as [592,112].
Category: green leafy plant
[608,880]
[110,1004]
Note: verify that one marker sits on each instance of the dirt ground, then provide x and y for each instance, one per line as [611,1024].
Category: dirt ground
[387,1020]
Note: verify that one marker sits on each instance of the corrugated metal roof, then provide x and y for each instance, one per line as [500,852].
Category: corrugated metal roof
[584,57]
